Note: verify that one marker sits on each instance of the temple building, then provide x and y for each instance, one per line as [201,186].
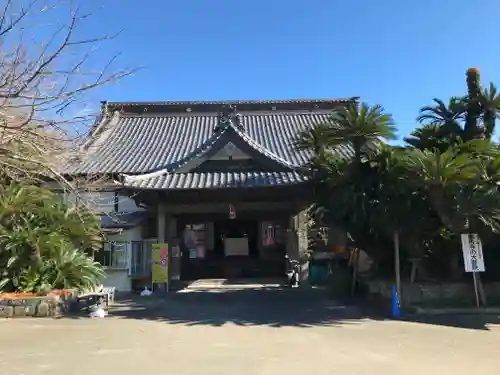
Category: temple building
[221,182]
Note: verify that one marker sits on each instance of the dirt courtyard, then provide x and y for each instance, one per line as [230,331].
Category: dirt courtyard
[247,332]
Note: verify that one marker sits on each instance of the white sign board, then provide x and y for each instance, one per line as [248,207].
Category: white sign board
[236,246]
[473,253]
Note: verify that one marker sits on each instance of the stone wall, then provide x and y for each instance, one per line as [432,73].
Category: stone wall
[43,306]
[422,293]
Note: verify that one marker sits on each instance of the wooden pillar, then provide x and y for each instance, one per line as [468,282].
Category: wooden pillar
[171,224]
[174,254]
[162,222]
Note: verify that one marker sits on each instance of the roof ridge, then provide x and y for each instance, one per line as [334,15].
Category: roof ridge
[233,101]
[289,112]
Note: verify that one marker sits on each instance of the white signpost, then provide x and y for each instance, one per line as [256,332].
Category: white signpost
[472,250]
[473,253]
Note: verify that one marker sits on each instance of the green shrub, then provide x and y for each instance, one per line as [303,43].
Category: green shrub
[43,242]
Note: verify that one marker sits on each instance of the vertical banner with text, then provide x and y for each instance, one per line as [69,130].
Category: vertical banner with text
[159,267]
[473,253]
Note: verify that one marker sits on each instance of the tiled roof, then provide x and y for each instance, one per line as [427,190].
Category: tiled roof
[157,145]
[142,143]
[214,180]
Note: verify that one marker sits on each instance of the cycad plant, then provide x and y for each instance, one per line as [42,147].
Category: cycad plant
[341,148]
[43,242]
[462,185]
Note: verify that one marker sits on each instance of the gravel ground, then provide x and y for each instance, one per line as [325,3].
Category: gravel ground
[247,332]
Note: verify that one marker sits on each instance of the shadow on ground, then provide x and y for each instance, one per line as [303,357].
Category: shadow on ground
[467,321]
[273,307]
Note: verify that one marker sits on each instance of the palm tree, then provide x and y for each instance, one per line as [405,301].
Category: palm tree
[439,173]
[444,120]
[313,139]
[443,114]
[347,187]
[490,104]
[462,184]
[393,202]
[357,126]
[360,129]
[428,137]
[470,117]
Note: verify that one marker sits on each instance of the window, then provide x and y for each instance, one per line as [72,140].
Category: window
[115,254]
[141,258]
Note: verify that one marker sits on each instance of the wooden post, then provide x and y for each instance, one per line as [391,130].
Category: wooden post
[162,223]
[162,226]
[476,291]
[355,262]
[397,266]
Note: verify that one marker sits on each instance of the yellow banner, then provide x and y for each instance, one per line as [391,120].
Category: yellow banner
[159,266]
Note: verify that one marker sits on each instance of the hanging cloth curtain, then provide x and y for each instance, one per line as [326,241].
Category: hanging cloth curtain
[269,235]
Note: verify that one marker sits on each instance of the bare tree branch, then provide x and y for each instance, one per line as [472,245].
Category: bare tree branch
[44,85]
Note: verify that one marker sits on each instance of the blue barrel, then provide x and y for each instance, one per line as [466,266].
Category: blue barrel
[318,274]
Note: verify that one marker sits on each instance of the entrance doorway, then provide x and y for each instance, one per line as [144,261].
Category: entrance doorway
[236,250]
[246,230]
[220,248]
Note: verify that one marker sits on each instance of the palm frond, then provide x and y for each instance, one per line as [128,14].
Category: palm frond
[37,233]
[441,168]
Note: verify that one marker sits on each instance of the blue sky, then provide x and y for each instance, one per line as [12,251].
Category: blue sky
[400,54]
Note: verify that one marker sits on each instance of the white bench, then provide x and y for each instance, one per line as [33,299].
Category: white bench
[101,295]
[92,300]
[110,291]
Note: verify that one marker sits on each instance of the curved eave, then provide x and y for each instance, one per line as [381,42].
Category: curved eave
[214,180]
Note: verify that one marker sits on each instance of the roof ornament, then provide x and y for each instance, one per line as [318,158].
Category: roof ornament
[228,116]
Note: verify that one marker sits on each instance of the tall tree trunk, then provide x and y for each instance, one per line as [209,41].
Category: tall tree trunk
[397,266]
[438,202]
[472,128]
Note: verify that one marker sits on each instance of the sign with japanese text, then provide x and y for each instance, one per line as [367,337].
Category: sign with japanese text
[473,253]
[159,266]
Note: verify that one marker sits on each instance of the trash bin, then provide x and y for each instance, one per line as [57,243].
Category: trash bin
[318,272]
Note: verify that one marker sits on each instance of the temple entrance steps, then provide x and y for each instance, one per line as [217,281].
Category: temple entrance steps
[221,285]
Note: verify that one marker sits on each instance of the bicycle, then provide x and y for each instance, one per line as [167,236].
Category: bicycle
[293,272]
